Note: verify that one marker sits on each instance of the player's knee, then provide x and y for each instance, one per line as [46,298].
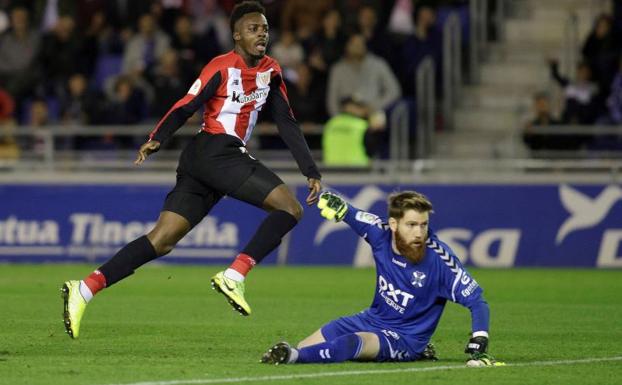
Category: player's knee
[295,209]
[164,248]
[162,244]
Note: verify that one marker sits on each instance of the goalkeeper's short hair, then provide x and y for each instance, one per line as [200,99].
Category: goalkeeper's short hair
[403,201]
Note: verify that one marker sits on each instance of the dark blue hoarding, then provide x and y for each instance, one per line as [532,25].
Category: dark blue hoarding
[486,225]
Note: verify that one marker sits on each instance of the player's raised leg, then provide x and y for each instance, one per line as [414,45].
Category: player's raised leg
[169,229]
[284,213]
[360,346]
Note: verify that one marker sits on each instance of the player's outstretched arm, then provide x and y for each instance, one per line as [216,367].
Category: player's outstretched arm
[145,150]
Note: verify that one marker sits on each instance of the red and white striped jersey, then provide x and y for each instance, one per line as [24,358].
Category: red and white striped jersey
[238,97]
[233,95]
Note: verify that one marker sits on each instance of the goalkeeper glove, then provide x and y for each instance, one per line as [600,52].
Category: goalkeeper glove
[476,348]
[477,344]
[332,206]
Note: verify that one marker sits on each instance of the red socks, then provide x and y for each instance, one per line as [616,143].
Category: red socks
[95,281]
[243,264]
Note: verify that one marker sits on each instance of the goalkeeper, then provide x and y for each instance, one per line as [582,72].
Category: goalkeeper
[416,275]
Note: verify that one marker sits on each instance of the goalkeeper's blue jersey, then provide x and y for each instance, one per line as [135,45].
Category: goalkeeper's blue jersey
[409,297]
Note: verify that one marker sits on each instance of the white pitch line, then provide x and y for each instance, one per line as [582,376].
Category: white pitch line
[364,372]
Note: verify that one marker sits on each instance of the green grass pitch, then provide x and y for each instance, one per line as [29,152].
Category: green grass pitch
[165,326]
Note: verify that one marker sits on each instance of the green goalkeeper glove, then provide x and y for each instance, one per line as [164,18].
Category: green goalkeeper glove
[332,206]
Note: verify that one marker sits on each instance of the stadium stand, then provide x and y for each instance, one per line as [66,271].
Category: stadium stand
[467,70]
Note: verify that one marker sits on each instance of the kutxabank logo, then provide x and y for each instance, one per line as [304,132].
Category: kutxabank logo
[585,212]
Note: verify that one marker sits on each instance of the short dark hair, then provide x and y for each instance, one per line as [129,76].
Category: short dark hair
[242,9]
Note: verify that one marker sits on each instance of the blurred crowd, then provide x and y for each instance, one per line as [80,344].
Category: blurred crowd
[122,62]
[591,96]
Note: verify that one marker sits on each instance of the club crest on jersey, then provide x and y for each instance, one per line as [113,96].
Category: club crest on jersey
[418,278]
[263,78]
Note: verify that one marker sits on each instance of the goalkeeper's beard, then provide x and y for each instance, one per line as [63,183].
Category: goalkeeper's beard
[410,250]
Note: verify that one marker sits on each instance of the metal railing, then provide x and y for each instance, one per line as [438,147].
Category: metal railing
[399,142]
[56,147]
[570,45]
[478,20]
[47,158]
[452,62]
[117,165]
[426,107]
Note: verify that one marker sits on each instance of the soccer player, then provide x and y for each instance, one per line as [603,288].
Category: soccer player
[232,88]
[416,275]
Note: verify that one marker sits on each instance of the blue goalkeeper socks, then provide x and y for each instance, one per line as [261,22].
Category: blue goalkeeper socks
[344,348]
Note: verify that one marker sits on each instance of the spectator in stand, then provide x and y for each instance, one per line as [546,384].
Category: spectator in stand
[18,49]
[614,101]
[211,23]
[348,139]
[99,39]
[169,84]
[580,96]
[85,12]
[377,40]
[542,117]
[327,46]
[193,52]
[79,105]
[7,107]
[39,113]
[170,11]
[127,105]
[288,51]
[425,41]
[401,18]
[601,51]
[306,96]
[47,13]
[38,119]
[124,13]
[95,33]
[8,145]
[143,50]
[301,17]
[4,19]
[365,77]
[59,56]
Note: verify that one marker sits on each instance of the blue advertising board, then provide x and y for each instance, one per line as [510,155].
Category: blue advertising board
[486,225]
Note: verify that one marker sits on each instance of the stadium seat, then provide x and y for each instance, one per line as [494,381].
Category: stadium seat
[106,66]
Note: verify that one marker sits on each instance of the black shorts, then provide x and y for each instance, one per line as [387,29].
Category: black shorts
[212,166]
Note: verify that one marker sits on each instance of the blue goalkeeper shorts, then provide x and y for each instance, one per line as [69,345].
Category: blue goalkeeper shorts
[393,345]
